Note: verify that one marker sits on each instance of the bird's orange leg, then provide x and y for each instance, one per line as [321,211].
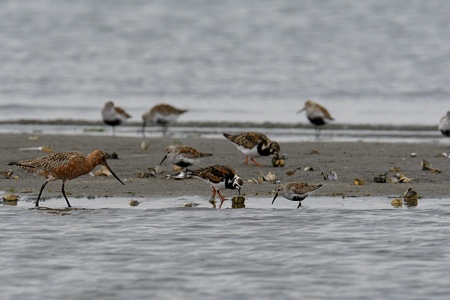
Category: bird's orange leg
[255,162]
[246,160]
[222,199]
[213,197]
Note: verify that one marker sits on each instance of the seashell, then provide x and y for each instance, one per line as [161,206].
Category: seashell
[139,174]
[444,154]
[271,177]
[357,181]
[413,202]
[134,203]
[392,179]
[103,171]
[144,145]
[278,161]
[159,170]
[331,176]
[238,200]
[380,178]
[292,172]
[152,172]
[253,180]
[10,197]
[33,138]
[414,154]
[6,173]
[191,204]
[260,178]
[397,202]
[314,152]
[308,168]
[410,194]
[46,148]
[403,179]
[426,166]
[395,169]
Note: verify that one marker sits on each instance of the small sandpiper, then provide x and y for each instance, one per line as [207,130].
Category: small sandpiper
[316,114]
[113,115]
[295,191]
[183,156]
[163,115]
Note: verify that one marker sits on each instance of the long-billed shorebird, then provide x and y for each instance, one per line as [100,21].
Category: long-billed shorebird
[113,115]
[444,124]
[64,166]
[295,191]
[219,177]
[253,145]
[161,114]
[317,115]
[183,156]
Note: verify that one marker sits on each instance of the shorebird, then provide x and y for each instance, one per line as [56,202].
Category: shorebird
[253,145]
[113,115]
[220,177]
[444,124]
[65,166]
[161,114]
[316,114]
[183,156]
[295,191]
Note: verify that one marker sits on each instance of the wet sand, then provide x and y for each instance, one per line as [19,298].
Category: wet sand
[350,160]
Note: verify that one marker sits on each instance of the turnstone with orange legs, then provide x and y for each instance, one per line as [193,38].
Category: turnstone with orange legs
[183,156]
[220,177]
[253,144]
[161,114]
[316,114]
[295,191]
[113,115]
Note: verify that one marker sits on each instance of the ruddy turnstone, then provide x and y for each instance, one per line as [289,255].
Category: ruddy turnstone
[183,156]
[295,191]
[316,114]
[220,177]
[253,144]
[444,124]
[161,114]
[113,115]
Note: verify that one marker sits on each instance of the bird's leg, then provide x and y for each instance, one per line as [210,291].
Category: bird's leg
[40,193]
[213,197]
[64,194]
[246,160]
[255,162]
[317,134]
[114,131]
[164,129]
[143,129]
[222,199]
[299,204]
[185,173]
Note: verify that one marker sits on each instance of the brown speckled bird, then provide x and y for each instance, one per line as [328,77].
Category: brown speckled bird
[65,166]
[161,114]
[253,145]
[220,177]
[295,191]
[183,156]
[316,114]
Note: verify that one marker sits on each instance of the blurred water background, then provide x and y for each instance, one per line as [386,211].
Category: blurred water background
[368,62]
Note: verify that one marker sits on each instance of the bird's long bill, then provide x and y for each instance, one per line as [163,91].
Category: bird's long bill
[301,110]
[114,174]
[165,156]
[276,195]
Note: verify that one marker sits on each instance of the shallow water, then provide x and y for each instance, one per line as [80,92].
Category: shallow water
[330,248]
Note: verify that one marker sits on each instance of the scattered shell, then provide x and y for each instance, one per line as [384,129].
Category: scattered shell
[159,170]
[425,165]
[308,168]
[397,202]
[395,169]
[33,138]
[392,179]
[292,172]
[134,203]
[331,176]
[414,154]
[278,161]
[10,197]
[238,200]
[140,174]
[314,152]
[271,177]
[103,171]
[152,172]
[144,145]
[46,148]
[191,204]
[113,155]
[253,180]
[410,195]
[444,154]
[357,181]
[380,178]
[403,179]
[6,173]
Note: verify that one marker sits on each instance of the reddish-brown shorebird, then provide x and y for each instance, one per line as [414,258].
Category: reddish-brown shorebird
[317,115]
[65,166]
[161,114]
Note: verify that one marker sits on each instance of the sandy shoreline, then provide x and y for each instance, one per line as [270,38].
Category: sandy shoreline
[349,159]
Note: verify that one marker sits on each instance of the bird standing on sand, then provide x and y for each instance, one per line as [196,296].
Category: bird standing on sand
[113,115]
[316,114]
[65,166]
[161,114]
[253,145]
[183,156]
[220,177]
[444,124]
[295,191]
